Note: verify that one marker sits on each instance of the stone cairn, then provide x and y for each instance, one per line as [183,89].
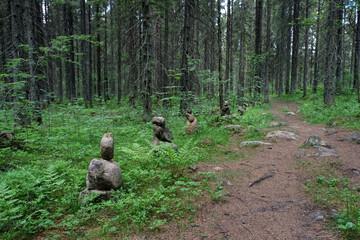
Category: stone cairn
[161,133]
[225,110]
[242,109]
[103,174]
[191,122]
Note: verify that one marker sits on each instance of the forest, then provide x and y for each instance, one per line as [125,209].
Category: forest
[73,70]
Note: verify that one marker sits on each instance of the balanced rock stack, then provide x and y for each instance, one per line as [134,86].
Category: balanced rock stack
[225,110]
[103,174]
[191,122]
[161,133]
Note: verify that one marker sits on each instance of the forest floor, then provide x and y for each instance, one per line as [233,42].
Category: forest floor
[277,207]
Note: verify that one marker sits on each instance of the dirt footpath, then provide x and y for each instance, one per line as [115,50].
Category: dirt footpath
[276,207]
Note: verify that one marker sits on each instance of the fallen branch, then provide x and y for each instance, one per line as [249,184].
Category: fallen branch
[266,176]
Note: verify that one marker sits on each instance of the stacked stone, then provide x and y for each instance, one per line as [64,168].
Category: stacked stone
[103,174]
[161,133]
[191,122]
[225,110]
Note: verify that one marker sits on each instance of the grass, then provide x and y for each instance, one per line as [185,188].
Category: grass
[41,177]
[345,112]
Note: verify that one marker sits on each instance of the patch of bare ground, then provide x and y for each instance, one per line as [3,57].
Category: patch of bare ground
[265,191]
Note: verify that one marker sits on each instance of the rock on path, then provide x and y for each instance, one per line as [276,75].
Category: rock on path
[283,134]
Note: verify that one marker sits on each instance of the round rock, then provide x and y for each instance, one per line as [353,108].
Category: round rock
[103,175]
[107,146]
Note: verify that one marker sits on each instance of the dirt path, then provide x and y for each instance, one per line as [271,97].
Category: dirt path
[277,207]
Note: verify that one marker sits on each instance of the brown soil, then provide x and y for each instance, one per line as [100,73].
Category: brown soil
[277,207]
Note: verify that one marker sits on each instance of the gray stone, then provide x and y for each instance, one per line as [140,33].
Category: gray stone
[245,143]
[217,168]
[225,182]
[331,132]
[103,175]
[191,124]
[107,146]
[326,152]
[283,134]
[159,121]
[322,129]
[355,136]
[103,194]
[290,113]
[317,216]
[278,124]
[300,153]
[315,141]
[233,127]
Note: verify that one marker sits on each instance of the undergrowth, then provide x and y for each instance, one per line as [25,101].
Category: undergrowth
[345,112]
[41,180]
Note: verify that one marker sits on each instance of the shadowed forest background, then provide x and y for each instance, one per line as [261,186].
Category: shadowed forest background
[71,70]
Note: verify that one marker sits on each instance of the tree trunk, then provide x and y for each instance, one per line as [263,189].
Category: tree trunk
[212,45]
[228,47]
[329,83]
[306,49]
[295,46]
[258,39]
[268,51]
[221,96]
[147,58]
[84,67]
[187,54]
[241,83]
[316,60]
[119,52]
[288,51]
[165,56]
[98,48]
[106,74]
[90,77]
[357,54]
[339,42]
[34,82]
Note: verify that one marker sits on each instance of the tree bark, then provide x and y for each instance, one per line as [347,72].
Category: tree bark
[84,67]
[316,60]
[258,51]
[306,49]
[147,58]
[330,65]
[221,96]
[187,54]
[268,51]
[119,52]
[295,46]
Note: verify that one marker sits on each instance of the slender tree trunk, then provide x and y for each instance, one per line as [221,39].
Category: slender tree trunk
[212,45]
[339,42]
[221,96]
[330,66]
[165,56]
[228,47]
[268,50]
[187,54]
[258,51]
[241,83]
[357,54]
[288,52]
[295,46]
[84,67]
[21,118]
[147,58]
[112,50]
[316,61]
[306,49]
[119,52]
[90,77]
[106,74]
[34,82]
[98,48]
